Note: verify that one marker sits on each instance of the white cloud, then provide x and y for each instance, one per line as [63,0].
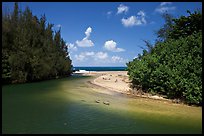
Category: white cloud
[88,32]
[79,57]
[71,47]
[98,59]
[58,25]
[117,59]
[131,21]
[88,53]
[122,8]
[84,56]
[101,55]
[112,46]
[165,8]
[135,20]
[109,12]
[165,3]
[141,13]
[85,42]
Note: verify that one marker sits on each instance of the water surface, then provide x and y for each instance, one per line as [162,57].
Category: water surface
[68,106]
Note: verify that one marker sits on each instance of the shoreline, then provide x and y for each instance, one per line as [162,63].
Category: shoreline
[118,82]
[106,80]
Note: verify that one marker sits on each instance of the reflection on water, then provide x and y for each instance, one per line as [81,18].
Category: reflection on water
[68,106]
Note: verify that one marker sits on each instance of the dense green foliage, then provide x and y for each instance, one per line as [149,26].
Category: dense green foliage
[173,67]
[31,51]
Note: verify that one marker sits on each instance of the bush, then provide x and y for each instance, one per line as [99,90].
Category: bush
[172,68]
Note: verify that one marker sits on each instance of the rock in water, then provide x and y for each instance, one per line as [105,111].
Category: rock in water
[106,103]
[97,101]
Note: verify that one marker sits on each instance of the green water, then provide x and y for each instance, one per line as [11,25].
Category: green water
[68,106]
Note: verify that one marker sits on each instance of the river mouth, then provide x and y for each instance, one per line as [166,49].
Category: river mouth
[68,105]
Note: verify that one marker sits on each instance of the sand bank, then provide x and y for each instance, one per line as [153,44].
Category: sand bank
[117,81]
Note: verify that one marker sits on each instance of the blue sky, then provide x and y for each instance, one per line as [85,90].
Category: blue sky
[106,33]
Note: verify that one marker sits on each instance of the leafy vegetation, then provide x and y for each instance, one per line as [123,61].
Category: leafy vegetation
[173,67]
[31,51]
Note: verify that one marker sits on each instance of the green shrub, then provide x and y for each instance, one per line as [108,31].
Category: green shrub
[172,68]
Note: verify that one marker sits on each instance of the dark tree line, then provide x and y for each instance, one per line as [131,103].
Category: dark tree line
[31,51]
[173,66]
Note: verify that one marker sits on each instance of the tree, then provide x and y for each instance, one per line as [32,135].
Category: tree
[162,33]
[185,26]
[30,50]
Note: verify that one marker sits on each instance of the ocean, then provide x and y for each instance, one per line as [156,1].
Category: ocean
[100,68]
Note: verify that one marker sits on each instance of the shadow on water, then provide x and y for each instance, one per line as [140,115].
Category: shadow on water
[67,106]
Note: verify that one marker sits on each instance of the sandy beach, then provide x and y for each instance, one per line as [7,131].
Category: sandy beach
[117,81]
